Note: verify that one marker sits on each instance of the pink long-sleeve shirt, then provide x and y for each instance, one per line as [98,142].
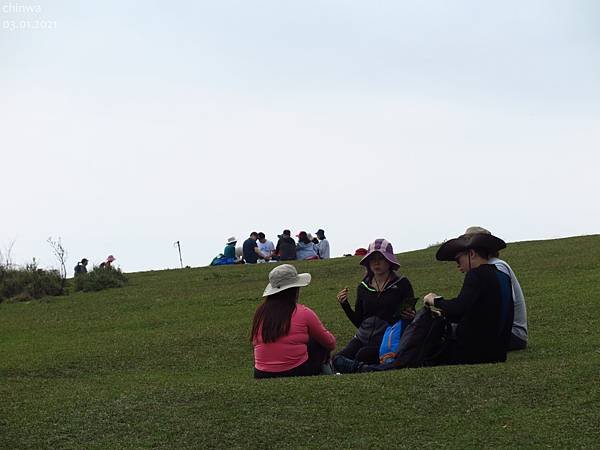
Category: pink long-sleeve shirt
[290,351]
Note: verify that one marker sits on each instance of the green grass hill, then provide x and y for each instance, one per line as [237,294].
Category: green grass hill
[165,362]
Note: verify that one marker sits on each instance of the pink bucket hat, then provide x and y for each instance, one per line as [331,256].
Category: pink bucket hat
[110,258]
[385,248]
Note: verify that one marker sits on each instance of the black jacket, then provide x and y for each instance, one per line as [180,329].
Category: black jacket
[385,304]
[484,312]
[286,248]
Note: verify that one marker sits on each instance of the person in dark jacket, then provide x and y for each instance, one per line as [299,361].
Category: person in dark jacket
[518,338]
[250,249]
[483,310]
[382,298]
[286,247]
[81,267]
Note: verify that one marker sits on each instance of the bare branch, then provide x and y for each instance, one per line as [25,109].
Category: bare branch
[6,256]
[61,255]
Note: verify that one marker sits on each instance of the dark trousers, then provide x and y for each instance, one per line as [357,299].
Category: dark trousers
[317,356]
[355,349]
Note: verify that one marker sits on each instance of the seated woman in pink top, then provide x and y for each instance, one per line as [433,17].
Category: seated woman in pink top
[288,337]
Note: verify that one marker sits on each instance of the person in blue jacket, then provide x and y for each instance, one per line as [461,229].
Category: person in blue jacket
[306,249]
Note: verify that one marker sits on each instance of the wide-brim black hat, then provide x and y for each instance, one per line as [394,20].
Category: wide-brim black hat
[449,249]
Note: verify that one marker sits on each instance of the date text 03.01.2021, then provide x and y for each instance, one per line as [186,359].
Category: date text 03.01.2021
[14,25]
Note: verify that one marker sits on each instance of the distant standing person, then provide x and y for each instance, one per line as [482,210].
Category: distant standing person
[518,337]
[265,246]
[250,249]
[286,246]
[81,267]
[323,245]
[306,249]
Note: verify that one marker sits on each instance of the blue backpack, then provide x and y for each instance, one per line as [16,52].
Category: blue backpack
[388,350]
[222,261]
[423,342]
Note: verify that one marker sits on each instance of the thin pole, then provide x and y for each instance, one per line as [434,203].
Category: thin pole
[180,260]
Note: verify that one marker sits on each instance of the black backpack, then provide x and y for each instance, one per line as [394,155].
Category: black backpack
[422,342]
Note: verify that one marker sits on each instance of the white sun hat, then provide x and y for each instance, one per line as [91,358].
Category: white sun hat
[285,277]
[231,240]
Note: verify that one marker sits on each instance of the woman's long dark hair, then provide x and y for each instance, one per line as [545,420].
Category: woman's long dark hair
[274,315]
[303,237]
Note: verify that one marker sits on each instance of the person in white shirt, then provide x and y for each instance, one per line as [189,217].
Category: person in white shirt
[323,245]
[518,338]
[265,246]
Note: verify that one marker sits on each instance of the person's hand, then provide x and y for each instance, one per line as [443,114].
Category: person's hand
[408,314]
[429,299]
[343,295]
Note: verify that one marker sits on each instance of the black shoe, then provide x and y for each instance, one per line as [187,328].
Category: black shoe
[346,365]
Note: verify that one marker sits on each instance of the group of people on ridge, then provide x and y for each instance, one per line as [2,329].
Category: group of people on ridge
[257,248]
[81,267]
[487,318]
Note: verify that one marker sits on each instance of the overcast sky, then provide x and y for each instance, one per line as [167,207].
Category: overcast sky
[126,126]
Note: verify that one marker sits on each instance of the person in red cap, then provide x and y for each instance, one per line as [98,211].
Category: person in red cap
[382,298]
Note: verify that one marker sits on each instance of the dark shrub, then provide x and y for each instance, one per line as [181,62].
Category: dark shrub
[100,278]
[29,283]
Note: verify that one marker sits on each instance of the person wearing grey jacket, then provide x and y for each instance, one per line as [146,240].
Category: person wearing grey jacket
[519,334]
[306,249]
[323,245]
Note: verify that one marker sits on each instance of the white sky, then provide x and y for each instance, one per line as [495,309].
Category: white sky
[130,125]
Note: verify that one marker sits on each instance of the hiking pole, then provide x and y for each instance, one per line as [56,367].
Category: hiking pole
[179,247]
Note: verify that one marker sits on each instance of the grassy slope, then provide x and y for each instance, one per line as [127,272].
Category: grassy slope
[166,362]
